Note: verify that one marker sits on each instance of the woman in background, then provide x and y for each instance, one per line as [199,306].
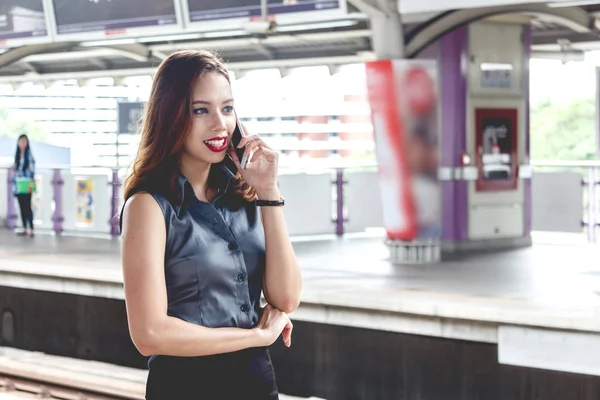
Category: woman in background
[24,183]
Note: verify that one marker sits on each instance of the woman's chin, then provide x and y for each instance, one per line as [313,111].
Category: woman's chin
[214,158]
[217,157]
[208,157]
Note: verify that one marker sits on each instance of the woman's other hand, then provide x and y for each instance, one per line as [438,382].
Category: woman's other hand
[274,323]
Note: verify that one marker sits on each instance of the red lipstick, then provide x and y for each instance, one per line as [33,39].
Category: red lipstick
[217,144]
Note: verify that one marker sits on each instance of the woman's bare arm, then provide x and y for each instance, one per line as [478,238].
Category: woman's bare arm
[151,329]
[283,280]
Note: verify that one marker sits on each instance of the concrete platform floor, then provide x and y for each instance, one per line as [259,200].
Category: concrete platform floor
[550,285]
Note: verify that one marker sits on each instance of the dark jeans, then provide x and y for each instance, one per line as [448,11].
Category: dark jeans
[243,375]
[26,211]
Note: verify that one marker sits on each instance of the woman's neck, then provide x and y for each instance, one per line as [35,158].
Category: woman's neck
[197,173]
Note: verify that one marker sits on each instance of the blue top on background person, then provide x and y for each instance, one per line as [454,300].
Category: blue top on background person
[24,163]
[24,183]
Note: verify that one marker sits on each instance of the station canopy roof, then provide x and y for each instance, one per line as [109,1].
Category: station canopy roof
[342,38]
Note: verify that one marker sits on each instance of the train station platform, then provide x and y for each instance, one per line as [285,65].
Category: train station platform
[554,286]
[533,309]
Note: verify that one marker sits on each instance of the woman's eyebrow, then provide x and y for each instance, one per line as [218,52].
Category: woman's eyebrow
[208,102]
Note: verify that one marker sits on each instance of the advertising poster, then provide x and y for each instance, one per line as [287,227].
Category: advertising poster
[496,75]
[202,10]
[21,19]
[85,202]
[404,100]
[496,140]
[129,116]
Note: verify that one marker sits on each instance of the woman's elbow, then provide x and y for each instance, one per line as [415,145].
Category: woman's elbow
[146,341]
[144,351]
[290,305]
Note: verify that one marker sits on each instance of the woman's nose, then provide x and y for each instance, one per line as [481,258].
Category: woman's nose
[219,122]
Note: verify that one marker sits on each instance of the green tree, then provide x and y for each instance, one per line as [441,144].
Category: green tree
[563,131]
[10,126]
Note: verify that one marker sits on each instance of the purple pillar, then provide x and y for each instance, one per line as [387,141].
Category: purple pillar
[591,205]
[527,40]
[595,205]
[453,66]
[339,184]
[57,186]
[114,204]
[11,212]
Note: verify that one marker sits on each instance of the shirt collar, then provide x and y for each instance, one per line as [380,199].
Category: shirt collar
[220,175]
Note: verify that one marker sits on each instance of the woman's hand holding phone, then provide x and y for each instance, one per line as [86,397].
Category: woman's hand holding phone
[236,138]
[262,167]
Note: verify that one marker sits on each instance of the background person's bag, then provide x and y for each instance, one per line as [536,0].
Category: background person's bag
[23,185]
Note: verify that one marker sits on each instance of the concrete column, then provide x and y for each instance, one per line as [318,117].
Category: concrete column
[464,227]
[387,30]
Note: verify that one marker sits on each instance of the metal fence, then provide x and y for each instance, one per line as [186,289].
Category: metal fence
[335,200]
[89,200]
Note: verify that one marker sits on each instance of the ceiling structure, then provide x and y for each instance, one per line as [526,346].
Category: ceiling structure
[311,47]
[337,42]
[552,36]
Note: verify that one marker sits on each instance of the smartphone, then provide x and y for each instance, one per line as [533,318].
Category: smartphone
[238,133]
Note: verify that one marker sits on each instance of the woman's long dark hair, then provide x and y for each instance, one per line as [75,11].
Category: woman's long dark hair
[26,156]
[166,123]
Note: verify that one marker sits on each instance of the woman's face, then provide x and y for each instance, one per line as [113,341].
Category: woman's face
[213,119]
[22,143]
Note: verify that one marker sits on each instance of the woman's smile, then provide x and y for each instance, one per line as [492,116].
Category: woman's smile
[217,144]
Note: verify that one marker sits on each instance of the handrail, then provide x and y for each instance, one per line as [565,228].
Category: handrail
[284,168]
[328,167]
[559,163]
[338,170]
[44,166]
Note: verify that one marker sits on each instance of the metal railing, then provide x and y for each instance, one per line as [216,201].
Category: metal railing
[566,192]
[57,199]
[108,187]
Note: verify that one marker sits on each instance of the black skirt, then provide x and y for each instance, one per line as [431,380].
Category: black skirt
[246,374]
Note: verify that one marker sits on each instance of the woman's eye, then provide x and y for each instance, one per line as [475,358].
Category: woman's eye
[201,111]
[228,109]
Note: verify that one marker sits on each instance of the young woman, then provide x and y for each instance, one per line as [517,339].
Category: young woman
[24,183]
[202,238]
